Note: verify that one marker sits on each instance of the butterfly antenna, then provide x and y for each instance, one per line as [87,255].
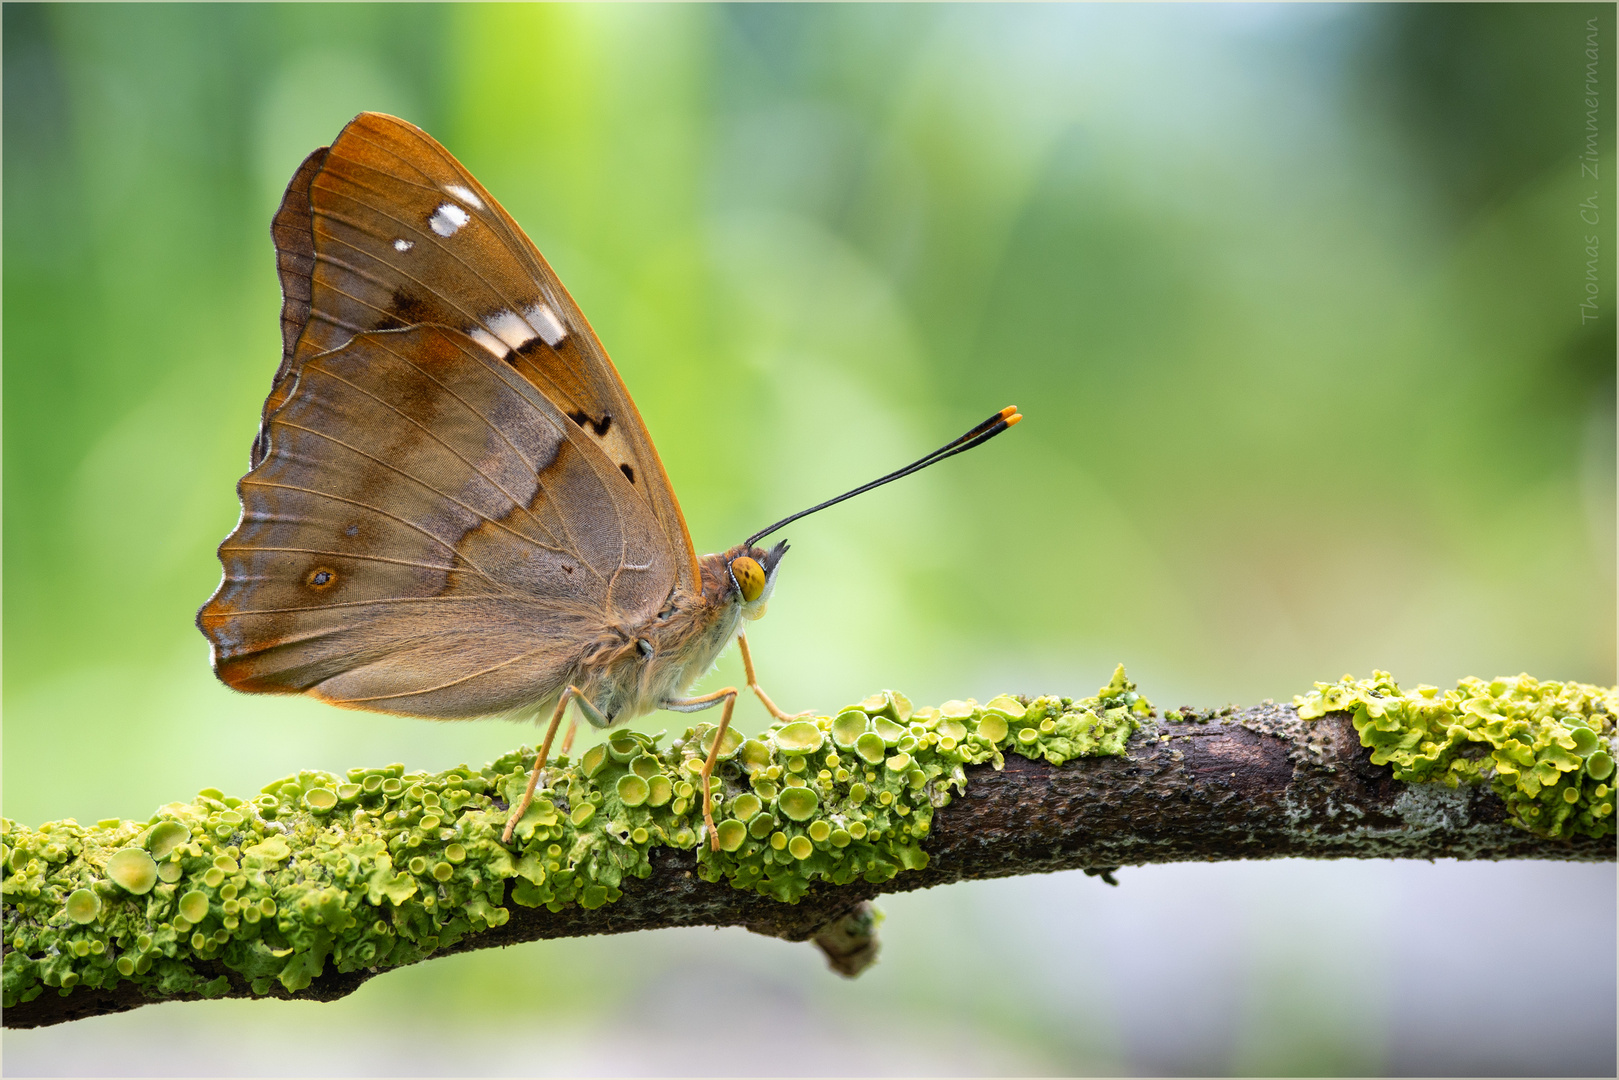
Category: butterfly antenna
[978,436]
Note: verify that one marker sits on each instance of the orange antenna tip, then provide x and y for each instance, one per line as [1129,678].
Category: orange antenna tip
[1008,411]
[1013,419]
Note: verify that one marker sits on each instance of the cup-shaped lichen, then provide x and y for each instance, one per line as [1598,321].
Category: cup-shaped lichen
[1006,706]
[728,746]
[133,870]
[798,803]
[754,755]
[888,703]
[1584,739]
[886,729]
[746,806]
[849,726]
[731,833]
[871,747]
[798,738]
[992,726]
[194,906]
[164,837]
[83,906]
[623,745]
[633,790]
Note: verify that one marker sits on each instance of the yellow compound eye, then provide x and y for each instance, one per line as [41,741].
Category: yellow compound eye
[750,576]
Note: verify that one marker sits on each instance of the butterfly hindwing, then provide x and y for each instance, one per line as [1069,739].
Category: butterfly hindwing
[426,534]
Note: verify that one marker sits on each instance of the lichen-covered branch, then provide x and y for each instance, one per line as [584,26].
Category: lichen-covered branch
[319,883]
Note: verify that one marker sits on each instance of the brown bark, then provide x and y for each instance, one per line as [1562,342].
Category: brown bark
[1258,784]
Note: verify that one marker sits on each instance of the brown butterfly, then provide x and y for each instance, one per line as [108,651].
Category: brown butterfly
[453,508]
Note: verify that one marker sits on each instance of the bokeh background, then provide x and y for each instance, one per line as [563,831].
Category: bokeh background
[1290,297]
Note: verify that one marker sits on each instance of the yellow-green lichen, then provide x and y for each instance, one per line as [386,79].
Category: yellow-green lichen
[1545,747]
[383,867]
[853,795]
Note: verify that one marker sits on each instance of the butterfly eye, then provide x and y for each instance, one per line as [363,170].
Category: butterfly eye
[750,578]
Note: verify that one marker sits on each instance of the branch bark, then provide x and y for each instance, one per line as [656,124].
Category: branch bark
[1257,784]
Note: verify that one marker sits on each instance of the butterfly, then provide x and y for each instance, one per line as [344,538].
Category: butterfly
[453,508]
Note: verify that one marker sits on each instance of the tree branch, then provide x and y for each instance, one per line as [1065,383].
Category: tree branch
[1257,783]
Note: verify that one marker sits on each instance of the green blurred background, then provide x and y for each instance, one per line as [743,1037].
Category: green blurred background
[1290,298]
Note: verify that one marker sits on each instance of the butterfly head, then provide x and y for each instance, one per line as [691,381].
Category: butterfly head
[753,576]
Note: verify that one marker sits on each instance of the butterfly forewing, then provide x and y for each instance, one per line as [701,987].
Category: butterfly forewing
[385,230]
[427,534]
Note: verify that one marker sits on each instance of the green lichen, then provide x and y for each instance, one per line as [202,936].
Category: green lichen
[853,796]
[382,867]
[1545,747]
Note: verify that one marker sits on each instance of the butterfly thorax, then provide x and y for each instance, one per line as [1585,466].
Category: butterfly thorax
[632,671]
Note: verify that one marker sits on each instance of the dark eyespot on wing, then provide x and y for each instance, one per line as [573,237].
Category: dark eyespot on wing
[321,578]
[629,473]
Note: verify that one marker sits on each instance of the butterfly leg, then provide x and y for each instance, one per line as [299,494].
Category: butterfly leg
[708,769]
[708,701]
[753,683]
[571,693]
[567,740]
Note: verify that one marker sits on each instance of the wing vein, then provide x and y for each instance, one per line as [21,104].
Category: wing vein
[474,511]
[246,480]
[516,503]
[449,683]
[350,555]
[397,269]
[351,603]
